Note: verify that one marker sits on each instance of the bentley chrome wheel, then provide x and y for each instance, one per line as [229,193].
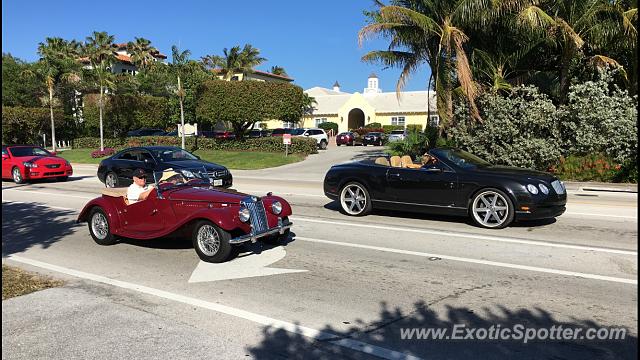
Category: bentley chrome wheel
[208,240]
[491,209]
[99,225]
[354,199]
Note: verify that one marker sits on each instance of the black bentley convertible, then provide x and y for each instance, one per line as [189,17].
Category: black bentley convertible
[448,181]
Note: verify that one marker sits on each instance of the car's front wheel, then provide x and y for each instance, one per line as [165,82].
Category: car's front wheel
[99,227]
[17,175]
[355,199]
[111,180]
[492,209]
[211,242]
[277,238]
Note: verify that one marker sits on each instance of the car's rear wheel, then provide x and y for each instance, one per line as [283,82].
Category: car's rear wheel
[111,180]
[355,199]
[99,227]
[323,145]
[492,209]
[17,175]
[211,242]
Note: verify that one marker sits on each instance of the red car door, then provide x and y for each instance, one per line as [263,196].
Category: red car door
[145,216]
[6,163]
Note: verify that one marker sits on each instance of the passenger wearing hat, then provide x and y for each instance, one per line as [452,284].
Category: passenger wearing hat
[170,176]
[138,190]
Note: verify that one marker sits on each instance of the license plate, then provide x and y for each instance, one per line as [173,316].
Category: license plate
[217,182]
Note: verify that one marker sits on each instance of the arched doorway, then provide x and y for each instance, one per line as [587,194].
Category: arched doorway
[356,119]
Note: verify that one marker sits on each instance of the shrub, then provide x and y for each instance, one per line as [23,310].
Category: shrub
[103,153]
[373,125]
[299,145]
[593,167]
[24,125]
[389,128]
[327,126]
[414,127]
[414,145]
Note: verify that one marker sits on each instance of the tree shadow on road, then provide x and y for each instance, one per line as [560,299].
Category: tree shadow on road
[369,154]
[385,332]
[27,224]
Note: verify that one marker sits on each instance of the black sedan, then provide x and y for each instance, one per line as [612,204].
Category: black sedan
[449,181]
[117,170]
[373,138]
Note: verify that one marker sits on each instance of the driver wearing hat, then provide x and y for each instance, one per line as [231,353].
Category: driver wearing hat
[139,190]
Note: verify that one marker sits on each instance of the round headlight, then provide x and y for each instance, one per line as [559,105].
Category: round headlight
[532,189]
[244,214]
[276,207]
[544,189]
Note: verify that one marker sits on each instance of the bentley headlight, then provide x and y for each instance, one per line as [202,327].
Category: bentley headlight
[276,207]
[532,189]
[544,189]
[244,214]
[30,164]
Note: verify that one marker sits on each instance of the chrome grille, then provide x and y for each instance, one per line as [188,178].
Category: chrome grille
[218,173]
[558,187]
[258,215]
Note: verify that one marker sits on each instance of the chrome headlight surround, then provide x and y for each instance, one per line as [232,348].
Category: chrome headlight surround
[544,189]
[188,174]
[276,207]
[532,189]
[244,214]
[29,164]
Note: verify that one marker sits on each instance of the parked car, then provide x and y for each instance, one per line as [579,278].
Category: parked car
[349,138]
[450,182]
[397,135]
[256,133]
[217,220]
[207,134]
[373,138]
[281,131]
[316,133]
[146,132]
[23,163]
[224,135]
[117,170]
[170,133]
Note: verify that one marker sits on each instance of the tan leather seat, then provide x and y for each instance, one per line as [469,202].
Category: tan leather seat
[382,161]
[114,192]
[407,162]
[395,161]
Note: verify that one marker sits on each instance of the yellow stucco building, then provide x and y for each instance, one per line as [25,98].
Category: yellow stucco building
[354,110]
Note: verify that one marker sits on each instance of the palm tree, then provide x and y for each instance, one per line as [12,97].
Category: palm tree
[180,59]
[234,60]
[99,49]
[429,32]
[141,52]
[57,63]
[573,26]
[277,70]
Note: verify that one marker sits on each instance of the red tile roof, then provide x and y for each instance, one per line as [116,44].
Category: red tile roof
[261,73]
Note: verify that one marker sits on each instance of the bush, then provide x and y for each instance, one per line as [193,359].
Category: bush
[24,125]
[389,128]
[520,129]
[431,133]
[414,145]
[103,153]
[327,126]
[414,128]
[373,125]
[299,145]
[594,167]
[364,131]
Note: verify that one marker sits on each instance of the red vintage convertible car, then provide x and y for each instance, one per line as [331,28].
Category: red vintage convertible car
[216,219]
[27,162]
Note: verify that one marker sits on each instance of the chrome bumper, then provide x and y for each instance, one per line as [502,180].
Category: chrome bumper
[280,229]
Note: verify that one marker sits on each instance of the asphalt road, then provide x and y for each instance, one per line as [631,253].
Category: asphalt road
[360,281]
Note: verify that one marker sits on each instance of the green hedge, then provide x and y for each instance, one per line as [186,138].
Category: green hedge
[373,125]
[329,125]
[24,125]
[414,128]
[389,128]
[299,145]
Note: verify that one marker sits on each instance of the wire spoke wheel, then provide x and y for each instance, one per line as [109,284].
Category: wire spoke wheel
[490,209]
[208,240]
[99,225]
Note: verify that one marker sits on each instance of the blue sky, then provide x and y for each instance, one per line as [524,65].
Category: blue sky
[316,42]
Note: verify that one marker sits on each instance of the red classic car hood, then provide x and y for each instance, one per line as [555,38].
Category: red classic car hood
[217,195]
[42,160]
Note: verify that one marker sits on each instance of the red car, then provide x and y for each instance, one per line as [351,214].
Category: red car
[349,138]
[217,220]
[27,162]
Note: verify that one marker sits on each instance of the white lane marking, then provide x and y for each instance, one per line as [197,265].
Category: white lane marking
[279,193]
[313,334]
[470,236]
[602,215]
[242,267]
[475,261]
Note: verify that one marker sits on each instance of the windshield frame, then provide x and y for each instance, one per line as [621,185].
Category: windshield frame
[470,161]
[13,148]
[191,177]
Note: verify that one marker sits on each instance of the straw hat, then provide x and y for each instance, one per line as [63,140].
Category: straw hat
[167,174]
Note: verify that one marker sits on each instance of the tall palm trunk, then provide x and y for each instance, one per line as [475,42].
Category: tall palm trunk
[53,126]
[101,106]
[565,64]
[180,96]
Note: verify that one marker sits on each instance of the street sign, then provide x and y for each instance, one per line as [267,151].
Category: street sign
[286,139]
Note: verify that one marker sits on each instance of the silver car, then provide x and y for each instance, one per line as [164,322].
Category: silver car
[397,135]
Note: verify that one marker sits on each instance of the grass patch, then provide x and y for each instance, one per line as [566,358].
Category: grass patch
[238,160]
[16,282]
